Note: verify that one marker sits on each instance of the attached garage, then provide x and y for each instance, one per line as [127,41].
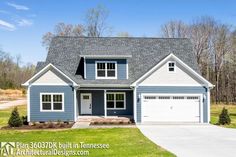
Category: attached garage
[171,108]
[172,92]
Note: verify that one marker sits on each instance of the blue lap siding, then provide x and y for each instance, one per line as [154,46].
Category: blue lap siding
[121,68]
[98,103]
[36,115]
[172,90]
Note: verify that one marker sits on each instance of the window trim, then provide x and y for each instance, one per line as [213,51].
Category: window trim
[52,110]
[106,77]
[168,67]
[114,93]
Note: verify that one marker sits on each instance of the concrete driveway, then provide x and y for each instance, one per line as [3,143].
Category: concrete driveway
[197,140]
[13,103]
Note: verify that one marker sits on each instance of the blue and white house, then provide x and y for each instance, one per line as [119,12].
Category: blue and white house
[149,79]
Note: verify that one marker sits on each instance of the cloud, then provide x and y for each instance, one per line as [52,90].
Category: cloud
[17,6]
[7,26]
[24,22]
[4,12]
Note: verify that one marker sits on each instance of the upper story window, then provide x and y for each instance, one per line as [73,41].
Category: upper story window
[171,66]
[106,70]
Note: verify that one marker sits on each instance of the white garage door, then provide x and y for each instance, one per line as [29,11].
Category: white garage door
[171,108]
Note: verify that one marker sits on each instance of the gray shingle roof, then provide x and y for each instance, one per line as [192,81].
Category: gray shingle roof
[65,52]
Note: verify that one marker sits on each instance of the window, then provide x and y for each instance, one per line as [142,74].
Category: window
[171,66]
[106,70]
[178,97]
[192,97]
[52,101]
[150,97]
[116,101]
[164,97]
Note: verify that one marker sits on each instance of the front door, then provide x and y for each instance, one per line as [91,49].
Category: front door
[86,103]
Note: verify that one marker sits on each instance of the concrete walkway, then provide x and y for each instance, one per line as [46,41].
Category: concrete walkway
[197,140]
[12,104]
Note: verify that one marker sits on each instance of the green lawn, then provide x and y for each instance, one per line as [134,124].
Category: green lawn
[122,141]
[216,110]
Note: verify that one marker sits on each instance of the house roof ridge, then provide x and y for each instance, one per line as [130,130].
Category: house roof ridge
[82,37]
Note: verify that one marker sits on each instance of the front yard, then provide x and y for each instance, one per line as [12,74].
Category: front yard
[216,110]
[122,141]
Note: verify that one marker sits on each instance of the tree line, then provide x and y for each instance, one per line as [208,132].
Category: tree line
[12,74]
[214,45]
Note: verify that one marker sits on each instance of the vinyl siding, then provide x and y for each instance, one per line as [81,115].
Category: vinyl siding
[98,103]
[52,77]
[121,68]
[36,115]
[172,90]
[180,76]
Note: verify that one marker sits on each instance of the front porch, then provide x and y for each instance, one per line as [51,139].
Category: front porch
[96,120]
[106,104]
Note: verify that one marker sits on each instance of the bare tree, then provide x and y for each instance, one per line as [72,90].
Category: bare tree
[175,29]
[62,29]
[214,45]
[95,21]
[221,43]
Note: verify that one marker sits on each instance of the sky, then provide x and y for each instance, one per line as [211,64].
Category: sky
[23,22]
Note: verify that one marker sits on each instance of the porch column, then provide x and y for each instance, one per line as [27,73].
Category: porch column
[105,103]
[135,104]
[75,104]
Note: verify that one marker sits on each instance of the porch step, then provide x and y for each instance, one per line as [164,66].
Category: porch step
[99,120]
[79,125]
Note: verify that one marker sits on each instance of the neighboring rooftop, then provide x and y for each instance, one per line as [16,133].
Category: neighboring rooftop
[142,54]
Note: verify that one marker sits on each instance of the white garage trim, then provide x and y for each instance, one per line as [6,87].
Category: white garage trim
[208,105]
[173,94]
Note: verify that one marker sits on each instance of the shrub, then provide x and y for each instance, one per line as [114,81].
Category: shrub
[24,120]
[58,122]
[33,123]
[15,120]
[40,126]
[62,125]
[224,117]
[51,125]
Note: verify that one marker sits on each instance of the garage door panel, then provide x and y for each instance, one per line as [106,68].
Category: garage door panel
[171,108]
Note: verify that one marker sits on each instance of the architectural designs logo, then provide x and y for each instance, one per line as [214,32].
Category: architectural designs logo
[7,148]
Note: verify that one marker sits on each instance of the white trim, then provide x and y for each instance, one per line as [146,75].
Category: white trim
[127,70]
[179,61]
[50,84]
[104,89]
[90,95]
[168,68]
[115,100]
[27,83]
[105,103]
[85,72]
[208,105]
[106,56]
[173,85]
[52,110]
[175,94]
[135,104]
[28,104]
[106,77]
[75,105]
[104,85]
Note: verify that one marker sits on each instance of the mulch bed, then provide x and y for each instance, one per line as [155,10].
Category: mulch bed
[39,126]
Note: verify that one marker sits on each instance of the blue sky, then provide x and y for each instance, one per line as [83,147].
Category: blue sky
[23,22]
